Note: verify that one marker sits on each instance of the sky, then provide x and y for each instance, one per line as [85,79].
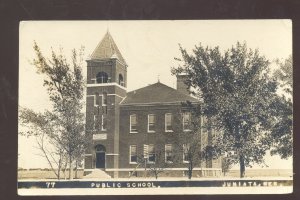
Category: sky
[149,48]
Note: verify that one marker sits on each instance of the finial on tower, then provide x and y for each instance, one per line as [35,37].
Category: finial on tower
[158,78]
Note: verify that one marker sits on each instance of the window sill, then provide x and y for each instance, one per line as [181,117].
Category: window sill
[169,162]
[151,131]
[187,130]
[133,163]
[169,131]
[133,132]
[186,162]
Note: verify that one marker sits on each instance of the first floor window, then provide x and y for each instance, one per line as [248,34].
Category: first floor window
[133,154]
[185,153]
[168,153]
[97,99]
[151,154]
[104,98]
[133,123]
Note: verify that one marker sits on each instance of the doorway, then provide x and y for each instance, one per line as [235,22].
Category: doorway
[100,156]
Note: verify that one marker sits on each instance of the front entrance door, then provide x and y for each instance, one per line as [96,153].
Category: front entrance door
[100,160]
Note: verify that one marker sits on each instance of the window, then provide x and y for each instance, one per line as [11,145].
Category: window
[133,154]
[151,123]
[204,124]
[102,77]
[96,125]
[100,148]
[168,153]
[133,123]
[104,123]
[96,99]
[186,153]
[186,120]
[168,122]
[151,153]
[121,80]
[104,98]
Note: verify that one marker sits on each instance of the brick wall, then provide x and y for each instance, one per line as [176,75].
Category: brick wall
[159,138]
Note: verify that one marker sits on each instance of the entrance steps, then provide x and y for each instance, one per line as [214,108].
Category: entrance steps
[96,174]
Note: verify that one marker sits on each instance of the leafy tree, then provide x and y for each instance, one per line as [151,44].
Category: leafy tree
[63,125]
[282,131]
[237,92]
[227,162]
[189,146]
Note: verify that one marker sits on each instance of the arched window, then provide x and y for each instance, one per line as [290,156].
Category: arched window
[121,80]
[100,148]
[102,77]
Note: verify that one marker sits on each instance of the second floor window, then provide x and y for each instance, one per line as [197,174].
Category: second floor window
[151,123]
[168,122]
[104,123]
[133,123]
[186,121]
[96,123]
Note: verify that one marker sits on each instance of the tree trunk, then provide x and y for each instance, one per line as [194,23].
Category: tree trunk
[70,169]
[65,168]
[76,170]
[190,170]
[242,167]
[59,167]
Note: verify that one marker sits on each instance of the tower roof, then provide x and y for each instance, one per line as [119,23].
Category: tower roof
[155,94]
[107,48]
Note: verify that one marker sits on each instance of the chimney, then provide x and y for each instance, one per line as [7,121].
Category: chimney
[181,86]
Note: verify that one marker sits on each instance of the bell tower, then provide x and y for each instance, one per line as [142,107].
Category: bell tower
[106,88]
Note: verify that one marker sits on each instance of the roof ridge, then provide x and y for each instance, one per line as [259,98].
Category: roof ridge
[155,93]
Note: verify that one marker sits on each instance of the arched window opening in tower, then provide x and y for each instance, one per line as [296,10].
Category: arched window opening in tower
[100,148]
[121,80]
[102,77]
